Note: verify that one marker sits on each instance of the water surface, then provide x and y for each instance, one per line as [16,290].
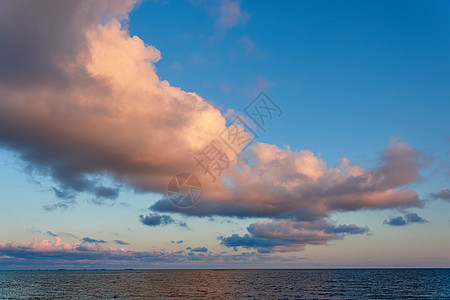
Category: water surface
[229,284]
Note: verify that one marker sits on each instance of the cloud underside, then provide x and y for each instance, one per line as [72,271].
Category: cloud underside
[81,102]
[286,235]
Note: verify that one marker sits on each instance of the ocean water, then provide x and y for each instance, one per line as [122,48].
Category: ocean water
[229,284]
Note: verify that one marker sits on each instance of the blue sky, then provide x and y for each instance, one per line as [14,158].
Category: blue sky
[350,75]
[355,80]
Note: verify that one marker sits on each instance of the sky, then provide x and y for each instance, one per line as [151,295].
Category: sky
[224,134]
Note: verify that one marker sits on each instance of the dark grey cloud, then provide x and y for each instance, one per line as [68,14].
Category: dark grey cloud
[182,224]
[156,220]
[395,221]
[22,41]
[443,195]
[177,242]
[90,240]
[79,183]
[120,242]
[62,234]
[51,233]
[62,205]
[34,230]
[414,218]
[106,192]
[405,220]
[249,241]
[68,234]
[63,194]
[200,249]
[106,200]
[347,229]
[39,37]
[284,235]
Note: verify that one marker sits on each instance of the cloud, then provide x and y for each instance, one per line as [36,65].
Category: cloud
[230,14]
[89,124]
[38,37]
[62,234]
[177,242]
[406,219]
[156,220]
[248,241]
[414,218]
[227,14]
[200,249]
[58,252]
[286,235]
[46,255]
[81,102]
[120,242]
[92,241]
[60,205]
[177,66]
[50,233]
[444,195]
[347,229]
[67,200]
[395,221]
[63,194]
[282,184]
[115,124]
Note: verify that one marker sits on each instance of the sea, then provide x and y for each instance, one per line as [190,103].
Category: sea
[228,284]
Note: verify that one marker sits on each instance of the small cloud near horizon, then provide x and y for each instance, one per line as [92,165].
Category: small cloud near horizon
[443,195]
[405,220]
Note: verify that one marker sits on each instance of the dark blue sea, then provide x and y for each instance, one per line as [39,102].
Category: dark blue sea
[228,284]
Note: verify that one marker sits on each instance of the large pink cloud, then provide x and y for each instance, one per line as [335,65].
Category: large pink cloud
[287,184]
[86,102]
[112,115]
